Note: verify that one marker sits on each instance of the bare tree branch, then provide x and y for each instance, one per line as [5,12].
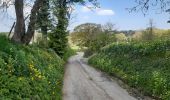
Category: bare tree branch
[145,5]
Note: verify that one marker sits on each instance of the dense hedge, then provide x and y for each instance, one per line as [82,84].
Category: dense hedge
[145,66]
[68,53]
[29,72]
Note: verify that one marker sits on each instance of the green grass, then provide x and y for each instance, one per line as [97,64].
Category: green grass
[145,66]
[28,72]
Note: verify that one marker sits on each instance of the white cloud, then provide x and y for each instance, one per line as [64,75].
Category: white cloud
[86,17]
[85,9]
[98,11]
[105,12]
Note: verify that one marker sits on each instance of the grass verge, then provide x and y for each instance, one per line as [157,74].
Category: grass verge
[144,66]
[28,72]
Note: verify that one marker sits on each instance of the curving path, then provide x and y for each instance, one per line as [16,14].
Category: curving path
[82,82]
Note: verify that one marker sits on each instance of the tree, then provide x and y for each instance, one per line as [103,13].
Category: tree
[85,34]
[109,27]
[20,24]
[92,36]
[58,37]
[43,18]
[44,23]
[148,34]
[145,5]
[31,26]
[150,28]
[20,34]
[121,37]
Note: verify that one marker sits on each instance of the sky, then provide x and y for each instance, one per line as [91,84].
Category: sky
[113,11]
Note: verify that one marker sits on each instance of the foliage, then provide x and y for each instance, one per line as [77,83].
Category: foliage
[41,42]
[91,36]
[144,65]
[43,18]
[85,34]
[58,41]
[69,52]
[121,37]
[28,72]
[58,37]
[147,36]
[157,34]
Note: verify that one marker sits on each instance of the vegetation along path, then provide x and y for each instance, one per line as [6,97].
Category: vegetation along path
[83,82]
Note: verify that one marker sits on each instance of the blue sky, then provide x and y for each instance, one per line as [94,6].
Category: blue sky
[110,11]
[119,16]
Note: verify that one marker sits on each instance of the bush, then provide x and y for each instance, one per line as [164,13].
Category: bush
[28,72]
[88,53]
[144,66]
[58,40]
[68,53]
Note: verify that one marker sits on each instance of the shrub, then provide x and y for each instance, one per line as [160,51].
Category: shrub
[68,53]
[88,53]
[144,66]
[28,72]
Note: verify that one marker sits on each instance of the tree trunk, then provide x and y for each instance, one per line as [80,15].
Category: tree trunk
[20,24]
[31,27]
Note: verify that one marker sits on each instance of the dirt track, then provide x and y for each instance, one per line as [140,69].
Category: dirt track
[83,82]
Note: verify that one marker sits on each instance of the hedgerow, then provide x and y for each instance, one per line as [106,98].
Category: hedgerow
[144,66]
[28,72]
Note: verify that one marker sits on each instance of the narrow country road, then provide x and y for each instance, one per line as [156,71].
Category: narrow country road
[83,82]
